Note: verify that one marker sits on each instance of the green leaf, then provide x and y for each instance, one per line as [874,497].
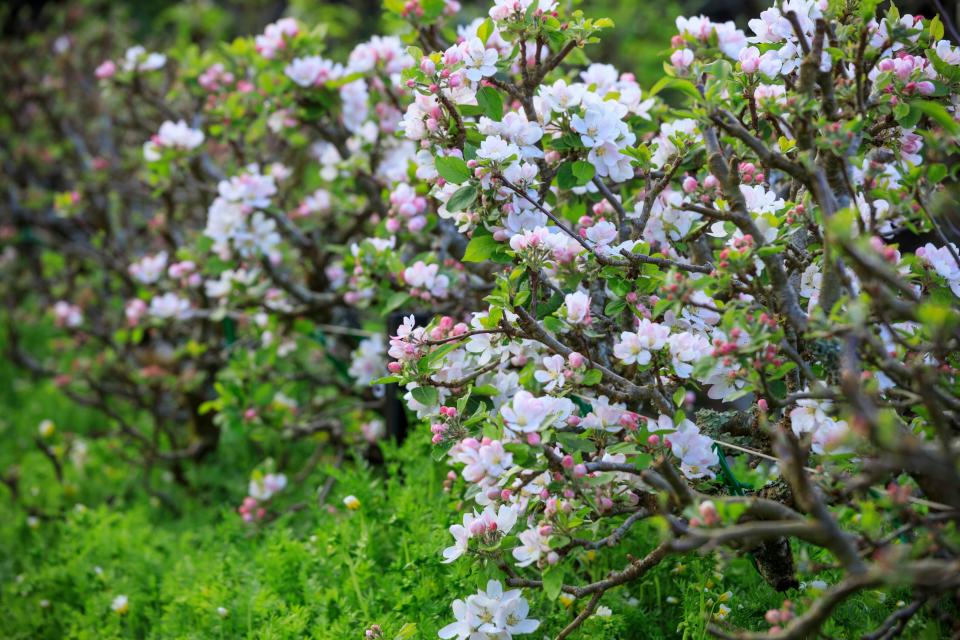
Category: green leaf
[552,576]
[572,443]
[432,8]
[440,352]
[462,198]
[592,377]
[565,177]
[614,307]
[565,142]
[425,395]
[395,301]
[770,250]
[343,80]
[480,248]
[453,169]
[936,29]
[406,631]
[551,305]
[485,30]
[490,101]
[414,52]
[936,173]
[868,9]
[553,324]
[486,390]
[684,86]
[521,452]
[619,286]
[583,171]
[642,461]
[522,297]
[939,113]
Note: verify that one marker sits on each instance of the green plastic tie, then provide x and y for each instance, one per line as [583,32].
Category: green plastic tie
[728,478]
[229,330]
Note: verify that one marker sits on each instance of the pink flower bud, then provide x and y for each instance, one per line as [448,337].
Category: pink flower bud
[106,70]
[427,66]
[579,471]
[653,440]
[567,461]
[394,367]
[576,360]
[533,438]
[708,511]
[689,184]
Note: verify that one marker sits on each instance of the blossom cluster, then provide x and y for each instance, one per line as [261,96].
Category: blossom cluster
[599,290]
[489,614]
